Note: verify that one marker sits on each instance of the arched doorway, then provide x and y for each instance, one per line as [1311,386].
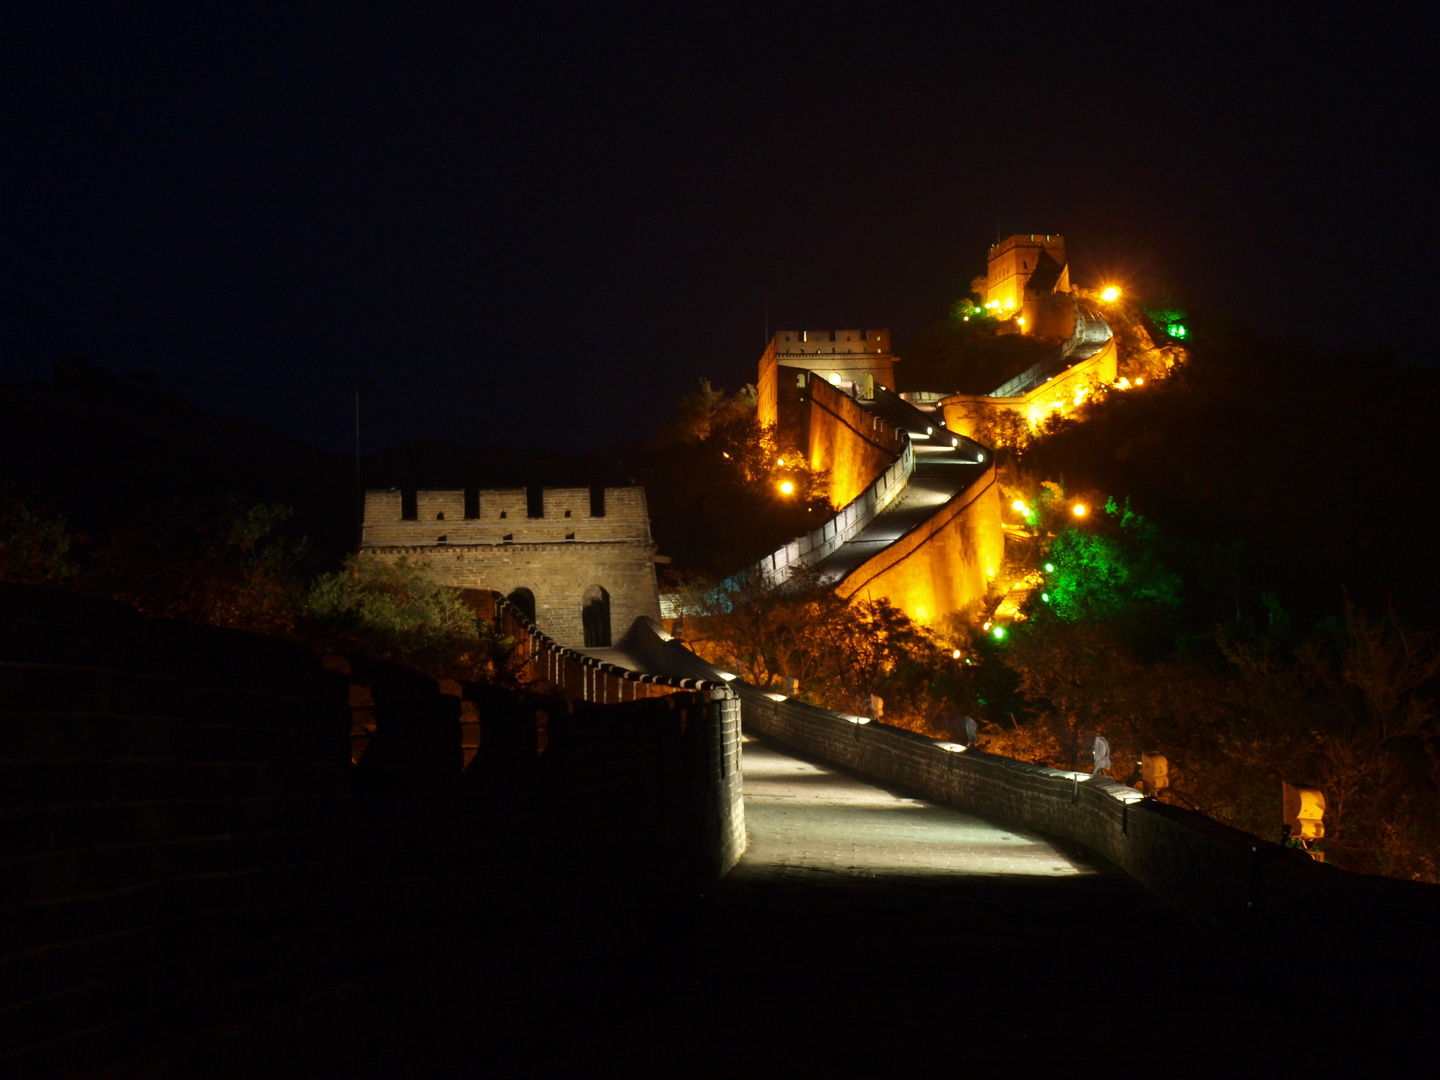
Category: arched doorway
[595,614]
[524,599]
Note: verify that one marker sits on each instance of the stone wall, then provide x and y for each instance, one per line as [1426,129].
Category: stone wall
[1007,272]
[853,445]
[1198,866]
[187,843]
[943,564]
[965,414]
[822,541]
[852,357]
[558,557]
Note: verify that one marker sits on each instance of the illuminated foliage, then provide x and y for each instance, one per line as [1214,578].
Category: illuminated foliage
[1102,573]
[395,610]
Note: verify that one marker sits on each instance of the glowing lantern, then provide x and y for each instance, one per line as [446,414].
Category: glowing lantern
[1304,811]
[1079,509]
[786,488]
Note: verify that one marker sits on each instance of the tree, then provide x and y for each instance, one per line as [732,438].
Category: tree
[34,546]
[1349,716]
[395,610]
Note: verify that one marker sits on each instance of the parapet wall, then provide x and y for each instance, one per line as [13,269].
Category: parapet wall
[853,445]
[502,517]
[1199,867]
[188,844]
[777,567]
[965,414]
[944,563]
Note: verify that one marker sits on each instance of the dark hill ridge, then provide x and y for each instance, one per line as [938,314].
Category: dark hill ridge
[1315,471]
[105,451]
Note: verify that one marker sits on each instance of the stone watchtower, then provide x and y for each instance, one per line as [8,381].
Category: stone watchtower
[855,360]
[579,561]
[1028,276]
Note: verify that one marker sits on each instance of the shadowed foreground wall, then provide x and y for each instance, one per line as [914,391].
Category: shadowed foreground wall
[186,843]
[1198,866]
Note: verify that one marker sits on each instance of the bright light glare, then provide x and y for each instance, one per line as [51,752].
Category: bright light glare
[955,655]
[999,632]
[1079,509]
[1045,596]
[787,487]
[1139,382]
[1018,505]
[780,461]
[1049,568]
[776,697]
[1112,293]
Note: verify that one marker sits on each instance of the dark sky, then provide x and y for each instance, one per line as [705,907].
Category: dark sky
[527,223]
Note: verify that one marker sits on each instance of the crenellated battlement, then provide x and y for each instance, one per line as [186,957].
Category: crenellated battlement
[396,518]
[578,561]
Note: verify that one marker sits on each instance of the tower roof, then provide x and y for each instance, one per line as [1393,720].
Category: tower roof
[1047,273]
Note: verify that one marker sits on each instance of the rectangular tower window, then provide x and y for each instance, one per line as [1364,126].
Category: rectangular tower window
[472,503]
[534,502]
[597,502]
[409,507]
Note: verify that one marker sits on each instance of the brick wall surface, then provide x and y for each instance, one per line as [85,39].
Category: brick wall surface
[558,558]
[184,840]
[854,445]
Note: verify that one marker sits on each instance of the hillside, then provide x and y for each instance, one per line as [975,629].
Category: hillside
[1311,472]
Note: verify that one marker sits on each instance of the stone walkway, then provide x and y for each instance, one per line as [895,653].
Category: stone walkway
[867,932]
[805,818]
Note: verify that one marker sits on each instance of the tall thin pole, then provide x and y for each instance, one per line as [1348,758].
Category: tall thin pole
[359,490]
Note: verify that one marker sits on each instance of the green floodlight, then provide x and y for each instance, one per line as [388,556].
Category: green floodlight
[1045,596]
[1049,568]
[999,632]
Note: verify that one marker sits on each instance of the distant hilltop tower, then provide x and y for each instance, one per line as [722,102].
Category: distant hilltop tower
[1028,278]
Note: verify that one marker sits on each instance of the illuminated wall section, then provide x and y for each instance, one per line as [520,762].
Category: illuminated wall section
[1065,391]
[943,564]
[854,446]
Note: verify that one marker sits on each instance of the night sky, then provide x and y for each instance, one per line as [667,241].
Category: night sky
[532,224]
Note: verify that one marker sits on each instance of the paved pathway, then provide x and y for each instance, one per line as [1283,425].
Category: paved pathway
[867,932]
[805,818]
